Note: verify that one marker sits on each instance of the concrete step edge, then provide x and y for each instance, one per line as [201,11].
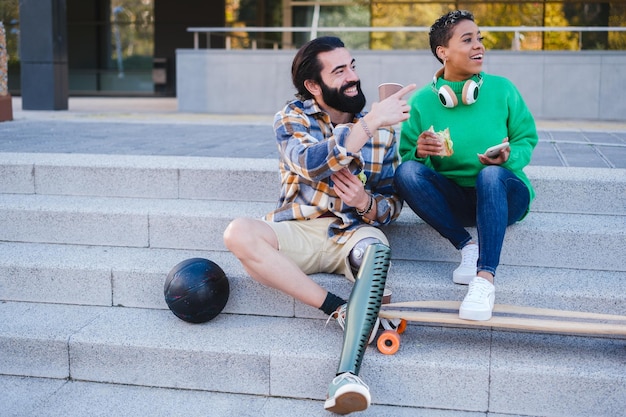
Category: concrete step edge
[559,189]
[122,346]
[542,239]
[134,277]
[30,396]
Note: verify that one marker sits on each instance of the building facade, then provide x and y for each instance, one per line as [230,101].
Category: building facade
[59,48]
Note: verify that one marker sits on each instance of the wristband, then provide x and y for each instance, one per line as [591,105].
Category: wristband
[368,209]
[365,128]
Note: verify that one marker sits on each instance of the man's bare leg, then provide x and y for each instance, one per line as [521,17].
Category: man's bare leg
[255,244]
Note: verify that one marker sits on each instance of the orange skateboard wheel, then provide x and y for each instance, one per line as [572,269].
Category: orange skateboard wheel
[402,326]
[388,342]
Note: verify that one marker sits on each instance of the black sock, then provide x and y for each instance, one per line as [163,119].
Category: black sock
[331,303]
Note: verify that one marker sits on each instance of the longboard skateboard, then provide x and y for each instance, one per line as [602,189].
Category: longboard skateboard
[505,316]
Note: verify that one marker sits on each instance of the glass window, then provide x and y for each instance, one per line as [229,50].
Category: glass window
[132,46]
[242,13]
[421,13]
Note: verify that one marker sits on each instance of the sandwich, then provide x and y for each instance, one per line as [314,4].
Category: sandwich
[444,137]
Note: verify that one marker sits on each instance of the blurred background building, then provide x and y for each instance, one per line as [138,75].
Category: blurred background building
[128,47]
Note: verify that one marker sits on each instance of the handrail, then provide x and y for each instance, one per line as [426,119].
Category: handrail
[313,30]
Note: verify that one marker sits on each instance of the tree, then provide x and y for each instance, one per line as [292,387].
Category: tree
[589,14]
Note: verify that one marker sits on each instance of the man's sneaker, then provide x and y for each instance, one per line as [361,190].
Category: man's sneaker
[478,303]
[340,316]
[347,393]
[467,270]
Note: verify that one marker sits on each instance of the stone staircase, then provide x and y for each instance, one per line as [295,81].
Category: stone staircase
[87,240]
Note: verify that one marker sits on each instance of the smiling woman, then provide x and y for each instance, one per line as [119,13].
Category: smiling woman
[466,187]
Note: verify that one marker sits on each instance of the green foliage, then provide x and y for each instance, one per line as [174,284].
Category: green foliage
[399,15]
[254,13]
[135,21]
[9,13]
[3,62]
[617,17]
[337,16]
[422,13]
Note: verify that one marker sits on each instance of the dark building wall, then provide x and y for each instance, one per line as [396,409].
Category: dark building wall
[43,54]
[172,18]
[88,36]
[87,33]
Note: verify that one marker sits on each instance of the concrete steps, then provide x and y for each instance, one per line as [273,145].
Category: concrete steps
[198,224]
[133,277]
[87,240]
[24,396]
[443,368]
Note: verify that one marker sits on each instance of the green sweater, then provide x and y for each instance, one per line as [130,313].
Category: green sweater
[499,112]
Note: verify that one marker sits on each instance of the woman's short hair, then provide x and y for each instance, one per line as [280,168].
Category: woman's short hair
[441,31]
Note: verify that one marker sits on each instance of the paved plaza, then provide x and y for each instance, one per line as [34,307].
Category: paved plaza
[153,126]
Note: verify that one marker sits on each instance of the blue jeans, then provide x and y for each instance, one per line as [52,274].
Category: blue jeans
[498,200]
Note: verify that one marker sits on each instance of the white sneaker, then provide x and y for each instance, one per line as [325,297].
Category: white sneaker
[340,316]
[347,393]
[478,303]
[467,270]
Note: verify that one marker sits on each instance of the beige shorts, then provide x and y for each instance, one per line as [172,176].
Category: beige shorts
[306,242]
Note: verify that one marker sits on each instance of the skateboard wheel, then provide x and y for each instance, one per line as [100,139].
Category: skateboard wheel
[388,342]
[402,326]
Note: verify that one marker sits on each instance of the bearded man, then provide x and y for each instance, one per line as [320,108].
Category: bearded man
[337,165]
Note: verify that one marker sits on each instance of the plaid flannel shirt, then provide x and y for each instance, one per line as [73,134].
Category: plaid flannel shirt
[311,150]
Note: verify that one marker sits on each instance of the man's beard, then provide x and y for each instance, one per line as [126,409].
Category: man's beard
[335,98]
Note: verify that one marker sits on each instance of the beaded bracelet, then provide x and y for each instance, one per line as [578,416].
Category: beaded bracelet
[366,129]
[368,209]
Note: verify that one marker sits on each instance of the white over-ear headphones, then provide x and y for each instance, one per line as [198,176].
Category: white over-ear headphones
[448,97]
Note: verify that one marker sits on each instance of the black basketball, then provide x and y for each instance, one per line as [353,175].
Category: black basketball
[196,290]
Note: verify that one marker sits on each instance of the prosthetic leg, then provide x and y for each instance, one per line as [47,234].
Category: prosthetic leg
[347,392]
[363,306]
